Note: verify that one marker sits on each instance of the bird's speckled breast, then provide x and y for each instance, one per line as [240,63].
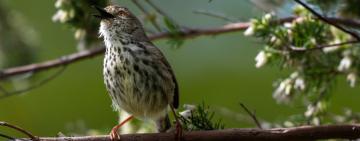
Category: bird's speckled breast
[132,80]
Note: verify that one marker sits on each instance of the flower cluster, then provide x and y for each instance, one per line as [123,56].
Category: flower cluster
[298,46]
[65,13]
[284,91]
[77,14]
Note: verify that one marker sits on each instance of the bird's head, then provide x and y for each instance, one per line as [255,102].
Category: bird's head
[120,21]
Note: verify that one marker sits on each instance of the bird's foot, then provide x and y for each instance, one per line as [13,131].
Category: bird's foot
[114,135]
[179,131]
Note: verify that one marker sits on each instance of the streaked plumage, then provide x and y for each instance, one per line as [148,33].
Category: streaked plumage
[137,76]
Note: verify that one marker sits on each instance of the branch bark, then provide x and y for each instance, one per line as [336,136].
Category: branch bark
[184,33]
[303,133]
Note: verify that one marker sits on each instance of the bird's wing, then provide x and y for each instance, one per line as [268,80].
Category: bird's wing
[159,56]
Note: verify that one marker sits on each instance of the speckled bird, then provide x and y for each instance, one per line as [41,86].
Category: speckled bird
[137,76]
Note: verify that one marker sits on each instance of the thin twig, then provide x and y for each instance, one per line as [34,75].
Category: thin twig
[252,115]
[27,133]
[357,37]
[215,15]
[67,59]
[157,9]
[7,137]
[44,81]
[147,14]
[324,46]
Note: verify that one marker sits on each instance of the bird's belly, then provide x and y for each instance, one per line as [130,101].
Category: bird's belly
[129,92]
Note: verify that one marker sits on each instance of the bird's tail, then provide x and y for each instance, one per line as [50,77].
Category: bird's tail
[163,124]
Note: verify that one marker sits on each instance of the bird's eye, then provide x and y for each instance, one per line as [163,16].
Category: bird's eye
[122,13]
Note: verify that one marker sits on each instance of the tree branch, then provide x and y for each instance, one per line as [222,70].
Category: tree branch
[184,33]
[33,86]
[326,20]
[19,129]
[303,133]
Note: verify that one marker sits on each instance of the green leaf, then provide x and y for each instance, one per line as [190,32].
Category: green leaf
[176,40]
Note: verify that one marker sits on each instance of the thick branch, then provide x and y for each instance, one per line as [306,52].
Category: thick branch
[246,134]
[185,33]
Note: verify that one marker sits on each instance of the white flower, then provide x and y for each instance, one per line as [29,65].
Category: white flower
[351,78]
[288,25]
[250,31]
[275,40]
[299,84]
[268,16]
[310,110]
[333,48]
[61,16]
[283,91]
[290,33]
[330,49]
[313,41]
[188,110]
[288,89]
[300,20]
[316,121]
[345,64]
[189,107]
[80,33]
[261,59]
[71,14]
[59,3]
[294,75]
[289,124]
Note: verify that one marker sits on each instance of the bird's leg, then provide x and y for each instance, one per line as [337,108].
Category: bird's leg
[114,131]
[178,124]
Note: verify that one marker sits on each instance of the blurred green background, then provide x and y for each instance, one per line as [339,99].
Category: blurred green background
[217,70]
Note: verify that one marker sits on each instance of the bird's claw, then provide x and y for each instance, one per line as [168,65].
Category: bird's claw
[179,131]
[114,136]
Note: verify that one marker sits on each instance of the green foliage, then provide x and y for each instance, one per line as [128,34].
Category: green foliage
[174,29]
[200,118]
[78,15]
[348,8]
[297,46]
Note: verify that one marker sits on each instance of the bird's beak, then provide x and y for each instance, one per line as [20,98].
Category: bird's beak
[103,14]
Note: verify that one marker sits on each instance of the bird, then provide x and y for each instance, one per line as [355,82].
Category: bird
[137,75]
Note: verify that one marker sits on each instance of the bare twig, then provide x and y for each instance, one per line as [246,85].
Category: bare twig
[357,37]
[184,33]
[303,133]
[157,9]
[324,46]
[148,15]
[42,82]
[27,133]
[36,67]
[252,115]
[215,15]
[7,137]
